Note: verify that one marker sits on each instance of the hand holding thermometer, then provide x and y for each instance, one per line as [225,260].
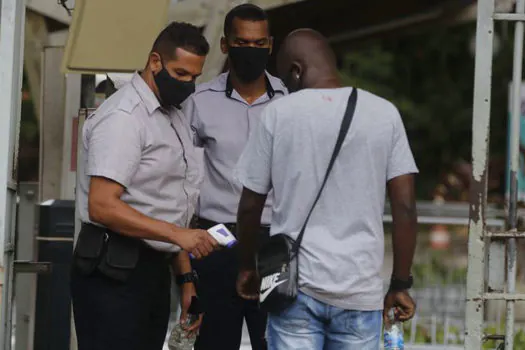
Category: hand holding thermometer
[222,235]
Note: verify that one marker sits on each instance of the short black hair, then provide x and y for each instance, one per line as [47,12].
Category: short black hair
[180,35]
[248,12]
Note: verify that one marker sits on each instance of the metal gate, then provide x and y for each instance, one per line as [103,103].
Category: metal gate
[491,253]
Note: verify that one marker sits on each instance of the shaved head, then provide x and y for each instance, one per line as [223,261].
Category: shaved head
[306,60]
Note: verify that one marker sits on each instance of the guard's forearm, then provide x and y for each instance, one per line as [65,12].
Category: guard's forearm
[181,263]
[122,218]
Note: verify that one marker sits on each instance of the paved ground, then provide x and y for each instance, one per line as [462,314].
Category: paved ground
[245,345]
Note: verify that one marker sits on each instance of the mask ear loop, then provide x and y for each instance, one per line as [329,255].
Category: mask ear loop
[162,65]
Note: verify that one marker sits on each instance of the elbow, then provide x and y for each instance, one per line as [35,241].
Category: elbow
[94,213]
[408,210]
[406,215]
[404,211]
[98,211]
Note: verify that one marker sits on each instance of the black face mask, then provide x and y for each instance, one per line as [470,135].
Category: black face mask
[248,62]
[172,91]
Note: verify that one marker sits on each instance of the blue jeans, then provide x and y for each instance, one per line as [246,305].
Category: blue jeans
[312,325]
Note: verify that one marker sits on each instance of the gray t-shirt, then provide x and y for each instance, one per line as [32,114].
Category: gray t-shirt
[289,150]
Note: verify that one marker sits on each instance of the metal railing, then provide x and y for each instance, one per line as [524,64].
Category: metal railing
[497,279]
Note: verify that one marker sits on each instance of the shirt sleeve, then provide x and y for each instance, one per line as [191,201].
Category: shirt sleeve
[192,114]
[114,147]
[253,170]
[401,160]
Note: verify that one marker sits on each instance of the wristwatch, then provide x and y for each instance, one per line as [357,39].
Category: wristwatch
[190,277]
[397,284]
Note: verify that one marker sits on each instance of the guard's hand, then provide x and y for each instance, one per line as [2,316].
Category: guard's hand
[197,242]
[403,304]
[187,292]
[248,284]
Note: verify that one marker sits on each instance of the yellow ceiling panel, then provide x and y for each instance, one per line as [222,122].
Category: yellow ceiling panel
[113,35]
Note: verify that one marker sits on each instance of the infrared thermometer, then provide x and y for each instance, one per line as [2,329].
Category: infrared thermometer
[222,235]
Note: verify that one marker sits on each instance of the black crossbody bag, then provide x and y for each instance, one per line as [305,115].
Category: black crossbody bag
[278,259]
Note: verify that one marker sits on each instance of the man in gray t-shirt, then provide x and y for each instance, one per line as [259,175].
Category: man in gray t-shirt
[340,260]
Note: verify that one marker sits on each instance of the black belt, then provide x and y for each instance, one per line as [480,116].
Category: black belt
[205,224]
[145,248]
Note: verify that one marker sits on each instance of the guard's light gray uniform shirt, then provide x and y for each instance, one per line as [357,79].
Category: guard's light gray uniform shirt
[221,120]
[342,251]
[130,139]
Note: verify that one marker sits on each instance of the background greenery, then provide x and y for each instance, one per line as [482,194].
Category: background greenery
[429,76]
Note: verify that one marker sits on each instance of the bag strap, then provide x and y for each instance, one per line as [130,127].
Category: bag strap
[345,125]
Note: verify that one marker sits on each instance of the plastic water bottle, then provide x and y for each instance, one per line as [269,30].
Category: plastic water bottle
[179,339]
[393,335]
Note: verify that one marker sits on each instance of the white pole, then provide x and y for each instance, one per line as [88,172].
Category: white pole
[480,148]
[514,165]
[12,19]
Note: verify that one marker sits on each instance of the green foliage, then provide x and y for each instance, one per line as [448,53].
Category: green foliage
[519,338]
[429,77]
[424,335]
[455,336]
[27,168]
[28,123]
[435,272]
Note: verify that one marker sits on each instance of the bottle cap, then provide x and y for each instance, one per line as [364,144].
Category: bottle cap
[392,315]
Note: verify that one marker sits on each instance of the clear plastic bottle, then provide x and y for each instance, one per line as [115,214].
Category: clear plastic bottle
[179,339]
[393,334]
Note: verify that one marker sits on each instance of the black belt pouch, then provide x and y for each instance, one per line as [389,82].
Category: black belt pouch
[114,255]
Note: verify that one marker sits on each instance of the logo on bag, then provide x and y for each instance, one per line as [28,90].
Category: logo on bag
[268,284]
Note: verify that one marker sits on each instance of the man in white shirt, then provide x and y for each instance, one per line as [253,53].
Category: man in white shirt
[136,198]
[341,298]
[222,113]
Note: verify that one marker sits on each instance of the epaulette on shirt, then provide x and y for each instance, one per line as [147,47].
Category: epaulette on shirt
[128,103]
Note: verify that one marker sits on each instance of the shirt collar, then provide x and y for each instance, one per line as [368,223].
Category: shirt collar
[269,88]
[223,83]
[145,93]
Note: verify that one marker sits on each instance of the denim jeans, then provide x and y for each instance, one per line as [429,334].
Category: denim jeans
[312,325]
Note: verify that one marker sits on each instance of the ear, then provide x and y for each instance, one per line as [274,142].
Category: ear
[224,45]
[271,45]
[154,63]
[297,68]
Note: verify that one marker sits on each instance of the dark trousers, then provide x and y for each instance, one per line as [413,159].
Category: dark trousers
[224,310]
[131,315]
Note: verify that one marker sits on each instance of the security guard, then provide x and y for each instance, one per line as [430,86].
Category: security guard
[222,113]
[136,198]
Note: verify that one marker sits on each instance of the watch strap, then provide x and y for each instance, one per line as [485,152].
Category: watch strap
[397,284]
[190,277]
